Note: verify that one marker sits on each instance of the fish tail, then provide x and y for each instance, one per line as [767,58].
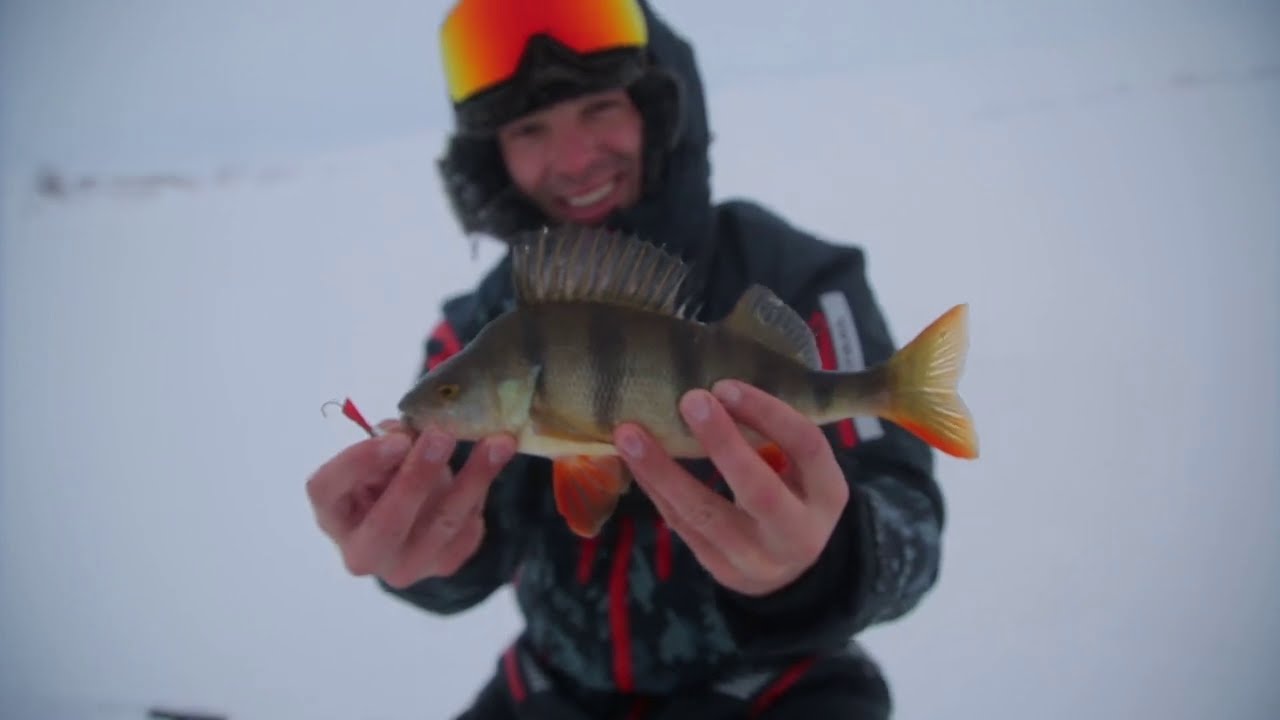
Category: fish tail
[922,379]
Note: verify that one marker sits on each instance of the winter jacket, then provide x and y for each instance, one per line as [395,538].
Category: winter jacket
[631,610]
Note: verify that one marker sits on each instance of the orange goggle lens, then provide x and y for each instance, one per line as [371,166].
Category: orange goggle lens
[482,40]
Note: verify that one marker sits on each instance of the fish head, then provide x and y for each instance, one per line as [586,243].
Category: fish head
[465,401]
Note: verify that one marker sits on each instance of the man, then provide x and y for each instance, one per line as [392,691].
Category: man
[688,603]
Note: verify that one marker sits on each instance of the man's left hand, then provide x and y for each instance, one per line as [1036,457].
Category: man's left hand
[778,523]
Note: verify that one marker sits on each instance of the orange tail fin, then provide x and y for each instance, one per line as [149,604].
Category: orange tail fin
[587,490]
[923,378]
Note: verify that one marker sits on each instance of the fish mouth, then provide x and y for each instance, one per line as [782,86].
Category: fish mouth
[417,425]
[408,422]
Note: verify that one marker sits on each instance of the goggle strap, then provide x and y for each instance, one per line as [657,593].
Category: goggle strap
[548,72]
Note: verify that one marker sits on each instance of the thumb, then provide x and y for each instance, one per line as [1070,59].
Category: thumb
[391,425]
[389,450]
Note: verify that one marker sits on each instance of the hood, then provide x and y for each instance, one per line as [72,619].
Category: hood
[675,209]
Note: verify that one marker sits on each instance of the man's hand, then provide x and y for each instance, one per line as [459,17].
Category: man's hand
[395,509]
[777,525]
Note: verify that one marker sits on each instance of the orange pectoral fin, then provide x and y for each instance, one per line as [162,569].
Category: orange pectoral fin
[587,490]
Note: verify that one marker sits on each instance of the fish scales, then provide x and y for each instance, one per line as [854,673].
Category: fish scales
[602,366]
[605,364]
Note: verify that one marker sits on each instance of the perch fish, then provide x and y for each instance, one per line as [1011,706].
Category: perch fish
[600,336]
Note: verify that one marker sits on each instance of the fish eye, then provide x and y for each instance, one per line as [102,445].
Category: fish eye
[449,392]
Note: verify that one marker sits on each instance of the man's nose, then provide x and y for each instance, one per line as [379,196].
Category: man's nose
[572,152]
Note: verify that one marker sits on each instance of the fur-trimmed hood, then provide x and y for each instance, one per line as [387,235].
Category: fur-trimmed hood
[675,209]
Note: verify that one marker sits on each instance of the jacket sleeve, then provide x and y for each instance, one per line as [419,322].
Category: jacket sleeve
[884,554]
[496,560]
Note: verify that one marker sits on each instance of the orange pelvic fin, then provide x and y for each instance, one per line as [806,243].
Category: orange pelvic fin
[587,490]
[774,457]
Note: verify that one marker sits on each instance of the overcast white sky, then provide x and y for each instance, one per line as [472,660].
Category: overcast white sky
[145,85]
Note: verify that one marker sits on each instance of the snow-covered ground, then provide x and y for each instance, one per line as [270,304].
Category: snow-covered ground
[243,222]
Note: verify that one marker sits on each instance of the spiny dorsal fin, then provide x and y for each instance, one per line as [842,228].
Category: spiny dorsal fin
[579,264]
[761,316]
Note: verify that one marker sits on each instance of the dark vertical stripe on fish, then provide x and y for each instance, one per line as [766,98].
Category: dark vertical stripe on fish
[766,371]
[533,346]
[606,348]
[824,386]
[686,361]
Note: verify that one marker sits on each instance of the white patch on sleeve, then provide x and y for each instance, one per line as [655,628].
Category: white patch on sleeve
[848,350]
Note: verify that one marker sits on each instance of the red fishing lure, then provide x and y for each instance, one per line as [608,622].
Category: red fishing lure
[349,409]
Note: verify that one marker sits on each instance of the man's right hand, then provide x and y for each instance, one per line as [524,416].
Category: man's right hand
[396,510]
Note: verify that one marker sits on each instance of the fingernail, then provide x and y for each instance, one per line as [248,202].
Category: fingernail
[728,392]
[697,408]
[631,445]
[437,447]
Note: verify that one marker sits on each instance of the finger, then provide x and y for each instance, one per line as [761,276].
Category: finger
[359,461]
[459,502]
[452,510]
[461,548]
[440,556]
[411,569]
[693,506]
[706,552]
[390,426]
[476,476]
[382,531]
[818,474]
[756,487]
[358,465]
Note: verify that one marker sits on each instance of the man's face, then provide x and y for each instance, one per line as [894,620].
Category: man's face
[579,159]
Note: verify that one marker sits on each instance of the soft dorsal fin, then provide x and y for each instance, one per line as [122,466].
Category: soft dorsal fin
[763,317]
[579,264]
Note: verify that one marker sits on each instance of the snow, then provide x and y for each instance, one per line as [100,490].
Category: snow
[250,225]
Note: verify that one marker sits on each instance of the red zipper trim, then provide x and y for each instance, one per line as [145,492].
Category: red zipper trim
[586,556]
[514,681]
[662,551]
[779,687]
[619,622]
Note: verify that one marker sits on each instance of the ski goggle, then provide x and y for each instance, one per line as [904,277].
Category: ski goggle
[482,41]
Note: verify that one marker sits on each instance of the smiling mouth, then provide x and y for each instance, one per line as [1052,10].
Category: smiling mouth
[590,198]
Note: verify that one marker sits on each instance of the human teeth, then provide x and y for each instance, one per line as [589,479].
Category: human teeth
[594,196]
